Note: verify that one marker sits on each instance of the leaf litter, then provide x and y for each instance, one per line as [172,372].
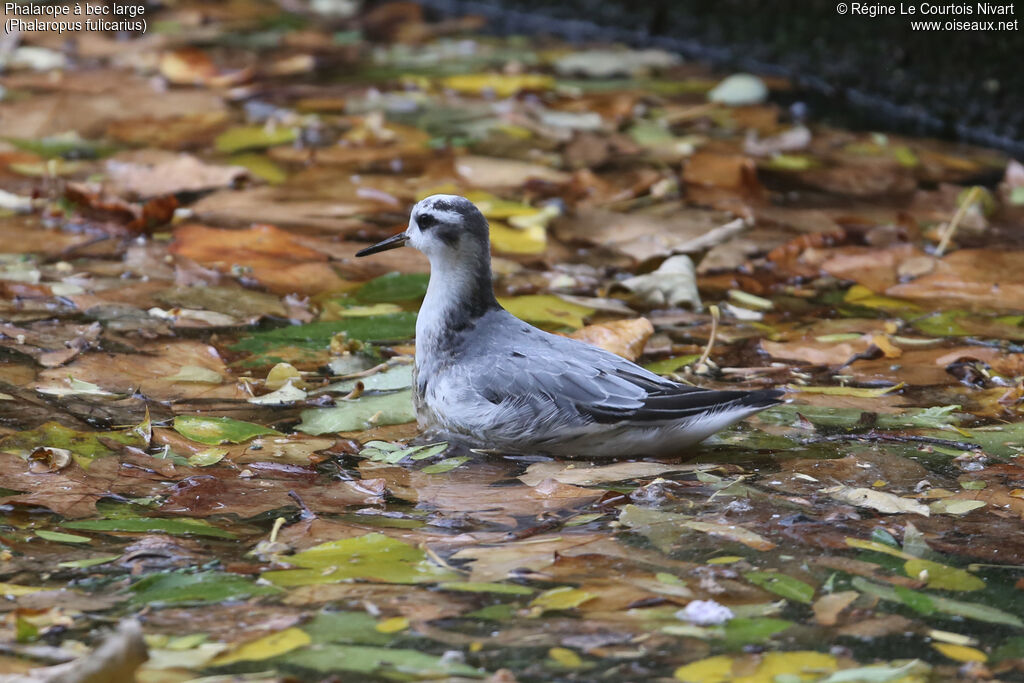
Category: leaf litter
[206,422]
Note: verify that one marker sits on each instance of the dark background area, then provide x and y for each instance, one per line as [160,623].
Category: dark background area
[852,70]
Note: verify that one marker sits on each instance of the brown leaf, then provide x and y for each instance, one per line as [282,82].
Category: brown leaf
[276,258]
[73,491]
[221,490]
[671,229]
[152,174]
[624,338]
[827,607]
[148,372]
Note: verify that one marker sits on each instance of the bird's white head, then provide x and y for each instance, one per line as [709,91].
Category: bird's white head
[446,227]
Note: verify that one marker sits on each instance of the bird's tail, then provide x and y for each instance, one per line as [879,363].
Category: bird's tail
[762,398]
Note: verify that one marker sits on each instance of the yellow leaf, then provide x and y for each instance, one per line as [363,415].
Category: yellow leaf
[393,625]
[563,597]
[961,653]
[711,670]
[725,559]
[808,665]
[281,374]
[496,208]
[565,657]
[266,647]
[501,85]
[862,296]
[14,589]
[546,309]
[803,665]
[531,240]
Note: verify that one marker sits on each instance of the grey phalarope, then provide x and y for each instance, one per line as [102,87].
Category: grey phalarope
[501,384]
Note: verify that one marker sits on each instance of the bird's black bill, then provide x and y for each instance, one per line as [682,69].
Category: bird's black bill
[393,242]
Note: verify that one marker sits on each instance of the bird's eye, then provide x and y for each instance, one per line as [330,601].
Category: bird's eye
[425,221]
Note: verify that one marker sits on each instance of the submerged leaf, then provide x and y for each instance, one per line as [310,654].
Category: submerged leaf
[202,587]
[266,647]
[84,446]
[398,326]
[365,659]
[561,598]
[243,138]
[967,610]
[941,577]
[362,413]
[877,500]
[217,430]
[781,584]
[373,557]
[193,527]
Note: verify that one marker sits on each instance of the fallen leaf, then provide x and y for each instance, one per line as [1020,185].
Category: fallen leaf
[878,500]
[153,175]
[624,338]
[642,236]
[828,607]
[276,258]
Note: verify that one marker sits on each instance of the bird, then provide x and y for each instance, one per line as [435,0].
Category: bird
[495,382]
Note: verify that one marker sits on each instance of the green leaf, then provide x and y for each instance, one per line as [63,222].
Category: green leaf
[24,630]
[501,612]
[242,138]
[942,577]
[373,557]
[395,327]
[876,673]
[1012,648]
[938,416]
[180,527]
[88,562]
[362,413]
[919,602]
[394,287]
[394,378]
[968,610]
[345,627]
[783,585]
[217,430]
[205,458]
[66,145]
[478,587]
[670,365]
[383,451]
[446,465]
[62,538]
[740,631]
[84,446]
[388,662]
[202,587]
[967,324]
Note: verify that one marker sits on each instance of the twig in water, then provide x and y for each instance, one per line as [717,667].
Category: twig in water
[702,361]
[961,211]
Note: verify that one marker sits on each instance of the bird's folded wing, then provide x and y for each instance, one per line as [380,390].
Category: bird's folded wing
[599,387]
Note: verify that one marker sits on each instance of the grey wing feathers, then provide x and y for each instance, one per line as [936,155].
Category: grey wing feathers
[602,387]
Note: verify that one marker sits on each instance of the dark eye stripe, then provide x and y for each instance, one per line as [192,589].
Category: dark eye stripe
[426,221]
